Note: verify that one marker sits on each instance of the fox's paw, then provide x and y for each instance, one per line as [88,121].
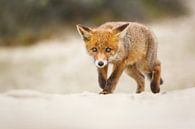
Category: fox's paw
[105,92]
[155,87]
[140,89]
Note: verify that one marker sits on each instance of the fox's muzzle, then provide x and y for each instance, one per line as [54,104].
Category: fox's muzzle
[101,63]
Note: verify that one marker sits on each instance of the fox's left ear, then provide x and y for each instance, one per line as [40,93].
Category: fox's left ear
[85,32]
[120,30]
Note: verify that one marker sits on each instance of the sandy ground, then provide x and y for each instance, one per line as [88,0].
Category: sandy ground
[24,109]
[37,86]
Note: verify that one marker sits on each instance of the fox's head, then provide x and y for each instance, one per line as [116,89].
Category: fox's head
[101,44]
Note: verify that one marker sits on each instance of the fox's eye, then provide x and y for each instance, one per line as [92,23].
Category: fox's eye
[108,49]
[94,49]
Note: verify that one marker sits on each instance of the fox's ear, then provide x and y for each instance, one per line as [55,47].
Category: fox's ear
[120,29]
[85,32]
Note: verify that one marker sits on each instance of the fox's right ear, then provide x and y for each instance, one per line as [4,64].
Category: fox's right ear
[85,32]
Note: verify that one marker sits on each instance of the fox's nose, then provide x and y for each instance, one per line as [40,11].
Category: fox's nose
[100,63]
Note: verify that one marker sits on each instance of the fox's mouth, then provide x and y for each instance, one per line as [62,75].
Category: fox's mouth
[101,63]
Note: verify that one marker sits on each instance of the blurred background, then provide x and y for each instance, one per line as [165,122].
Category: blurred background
[23,22]
[41,50]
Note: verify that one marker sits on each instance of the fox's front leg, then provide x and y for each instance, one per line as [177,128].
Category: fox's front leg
[114,77]
[102,76]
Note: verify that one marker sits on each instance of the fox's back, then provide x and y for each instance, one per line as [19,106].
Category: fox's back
[133,26]
[138,33]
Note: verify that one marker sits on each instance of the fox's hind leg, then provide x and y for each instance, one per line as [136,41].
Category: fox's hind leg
[156,77]
[133,72]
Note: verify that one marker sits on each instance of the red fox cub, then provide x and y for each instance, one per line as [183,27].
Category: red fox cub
[130,47]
